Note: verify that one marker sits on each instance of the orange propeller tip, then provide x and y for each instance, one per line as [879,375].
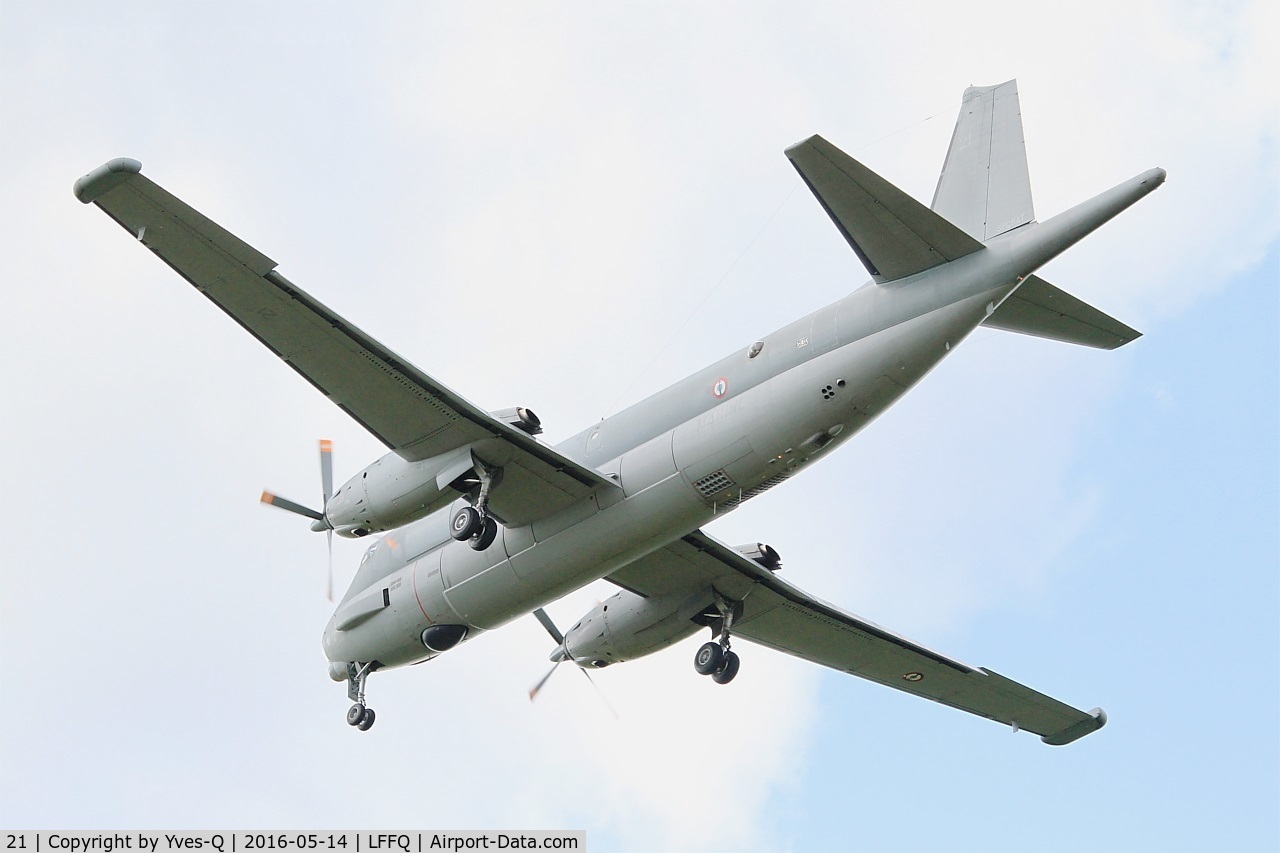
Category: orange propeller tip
[267,498]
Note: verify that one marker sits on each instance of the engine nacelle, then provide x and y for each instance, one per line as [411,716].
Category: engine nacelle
[626,626]
[393,491]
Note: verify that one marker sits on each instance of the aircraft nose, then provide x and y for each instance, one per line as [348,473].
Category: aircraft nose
[1157,175]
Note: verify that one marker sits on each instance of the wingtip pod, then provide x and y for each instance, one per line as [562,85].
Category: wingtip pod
[1097,719]
[104,178]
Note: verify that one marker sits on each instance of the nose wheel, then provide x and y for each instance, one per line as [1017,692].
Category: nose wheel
[715,658]
[359,715]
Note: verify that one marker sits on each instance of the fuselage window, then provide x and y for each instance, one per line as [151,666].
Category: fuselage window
[755,349]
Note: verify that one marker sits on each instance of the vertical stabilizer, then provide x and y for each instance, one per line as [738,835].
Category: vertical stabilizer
[984,188]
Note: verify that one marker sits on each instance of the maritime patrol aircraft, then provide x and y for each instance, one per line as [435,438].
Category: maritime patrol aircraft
[490,523]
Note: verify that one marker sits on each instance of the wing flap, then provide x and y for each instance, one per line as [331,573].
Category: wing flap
[409,411]
[893,234]
[781,616]
[1040,309]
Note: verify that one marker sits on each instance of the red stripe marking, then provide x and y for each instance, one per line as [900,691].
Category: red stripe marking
[414,581]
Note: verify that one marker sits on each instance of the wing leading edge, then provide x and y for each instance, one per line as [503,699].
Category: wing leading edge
[783,617]
[409,411]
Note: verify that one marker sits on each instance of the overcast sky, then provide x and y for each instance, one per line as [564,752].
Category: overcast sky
[568,206]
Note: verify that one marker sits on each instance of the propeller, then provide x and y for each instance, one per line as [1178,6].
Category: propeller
[533,691]
[319,522]
[551,627]
[560,655]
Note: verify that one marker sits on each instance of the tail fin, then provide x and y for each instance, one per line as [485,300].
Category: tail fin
[984,188]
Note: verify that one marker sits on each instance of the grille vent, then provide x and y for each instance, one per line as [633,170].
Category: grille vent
[716,481]
[756,490]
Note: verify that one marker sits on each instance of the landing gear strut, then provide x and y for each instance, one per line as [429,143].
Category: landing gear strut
[714,658]
[473,524]
[359,715]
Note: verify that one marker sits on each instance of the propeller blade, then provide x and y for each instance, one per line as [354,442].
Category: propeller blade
[599,693]
[533,693]
[329,536]
[290,506]
[319,522]
[326,469]
[550,626]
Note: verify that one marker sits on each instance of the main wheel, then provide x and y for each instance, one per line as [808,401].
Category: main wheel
[466,523]
[355,714]
[488,532]
[727,670]
[708,658]
[366,720]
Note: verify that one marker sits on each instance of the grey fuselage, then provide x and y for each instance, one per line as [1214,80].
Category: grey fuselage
[699,447]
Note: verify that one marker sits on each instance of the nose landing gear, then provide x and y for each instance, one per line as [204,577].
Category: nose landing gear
[715,658]
[359,715]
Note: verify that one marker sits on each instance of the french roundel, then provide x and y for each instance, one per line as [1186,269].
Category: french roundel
[721,388]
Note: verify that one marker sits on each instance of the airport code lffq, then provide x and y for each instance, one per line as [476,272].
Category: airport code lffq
[417,841]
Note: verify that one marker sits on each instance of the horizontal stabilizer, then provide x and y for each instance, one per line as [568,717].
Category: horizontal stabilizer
[893,234]
[1038,308]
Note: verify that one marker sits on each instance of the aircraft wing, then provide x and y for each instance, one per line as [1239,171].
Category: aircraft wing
[783,617]
[409,411]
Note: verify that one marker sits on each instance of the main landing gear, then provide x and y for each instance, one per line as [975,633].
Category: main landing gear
[359,715]
[473,524]
[714,658]
[478,529]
